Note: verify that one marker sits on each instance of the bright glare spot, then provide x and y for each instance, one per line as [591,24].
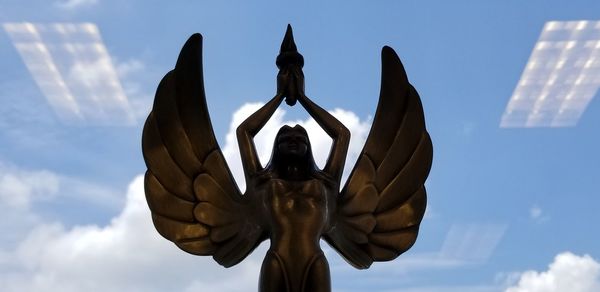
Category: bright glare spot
[90,28]
[73,69]
[542,45]
[581,25]
[564,65]
[531,65]
[551,25]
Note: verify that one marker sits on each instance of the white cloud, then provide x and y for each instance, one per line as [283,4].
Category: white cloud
[21,191]
[475,288]
[568,272]
[85,191]
[18,188]
[537,214]
[126,255]
[74,4]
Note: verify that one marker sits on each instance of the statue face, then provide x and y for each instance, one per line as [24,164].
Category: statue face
[292,143]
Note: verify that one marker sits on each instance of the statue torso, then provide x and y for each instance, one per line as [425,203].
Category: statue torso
[298,208]
[297,212]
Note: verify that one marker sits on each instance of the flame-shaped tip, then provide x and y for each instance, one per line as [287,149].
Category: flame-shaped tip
[288,44]
[288,54]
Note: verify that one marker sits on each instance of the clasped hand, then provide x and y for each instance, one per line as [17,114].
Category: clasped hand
[290,84]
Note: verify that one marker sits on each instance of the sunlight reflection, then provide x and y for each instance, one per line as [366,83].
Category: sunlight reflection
[560,79]
[73,69]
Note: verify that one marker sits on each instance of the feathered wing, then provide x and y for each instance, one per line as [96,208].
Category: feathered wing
[382,204]
[193,197]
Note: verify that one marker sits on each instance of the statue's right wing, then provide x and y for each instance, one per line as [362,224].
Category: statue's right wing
[382,204]
[193,197]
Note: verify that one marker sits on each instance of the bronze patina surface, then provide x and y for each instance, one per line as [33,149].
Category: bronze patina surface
[196,203]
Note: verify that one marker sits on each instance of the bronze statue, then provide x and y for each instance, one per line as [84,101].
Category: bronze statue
[196,203]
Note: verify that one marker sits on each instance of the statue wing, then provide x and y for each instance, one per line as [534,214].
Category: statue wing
[193,197]
[382,204]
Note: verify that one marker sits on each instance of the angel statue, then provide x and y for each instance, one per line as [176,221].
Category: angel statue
[196,203]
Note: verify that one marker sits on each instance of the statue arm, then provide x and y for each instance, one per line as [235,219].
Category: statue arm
[246,132]
[338,133]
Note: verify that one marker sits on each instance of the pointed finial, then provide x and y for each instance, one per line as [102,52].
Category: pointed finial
[288,54]
[288,41]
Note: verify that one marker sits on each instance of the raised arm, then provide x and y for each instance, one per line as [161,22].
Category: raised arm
[338,133]
[290,83]
[246,132]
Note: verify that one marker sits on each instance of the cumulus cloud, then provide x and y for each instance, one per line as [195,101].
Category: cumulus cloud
[536,213]
[568,272]
[22,190]
[126,255]
[19,188]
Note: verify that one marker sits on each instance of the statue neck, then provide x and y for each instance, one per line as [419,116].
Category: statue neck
[294,170]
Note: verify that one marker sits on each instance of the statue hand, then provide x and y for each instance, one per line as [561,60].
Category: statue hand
[290,84]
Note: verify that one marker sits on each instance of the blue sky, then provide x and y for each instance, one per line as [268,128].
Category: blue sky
[504,203]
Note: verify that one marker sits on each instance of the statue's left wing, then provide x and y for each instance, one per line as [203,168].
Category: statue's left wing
[193,197]
[381,206]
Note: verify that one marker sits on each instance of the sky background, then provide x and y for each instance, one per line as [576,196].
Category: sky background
[509,209]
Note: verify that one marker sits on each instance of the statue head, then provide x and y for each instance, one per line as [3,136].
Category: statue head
[291,142]
[292,149]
